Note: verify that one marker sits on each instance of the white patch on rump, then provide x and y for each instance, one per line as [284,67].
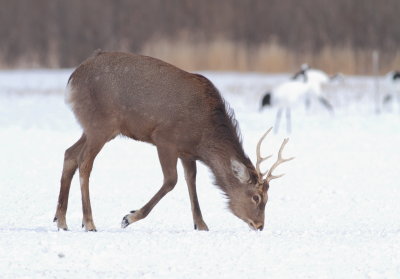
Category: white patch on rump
[68,93]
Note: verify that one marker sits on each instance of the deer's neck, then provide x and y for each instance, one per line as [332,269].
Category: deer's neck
[220,167]
[219,161]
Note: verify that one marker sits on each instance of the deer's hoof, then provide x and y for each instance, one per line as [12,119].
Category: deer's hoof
[88,226]
[60,225]
[134,216]
[90,229]
[201,227]
[125,222]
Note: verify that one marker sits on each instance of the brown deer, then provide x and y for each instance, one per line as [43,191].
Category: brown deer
[182,114]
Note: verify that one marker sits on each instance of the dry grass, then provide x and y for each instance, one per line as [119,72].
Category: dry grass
[226,55]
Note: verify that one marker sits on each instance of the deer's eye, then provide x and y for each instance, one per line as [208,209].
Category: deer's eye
[256,199]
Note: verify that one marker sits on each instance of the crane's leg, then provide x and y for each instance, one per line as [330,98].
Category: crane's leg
[326,104]
[288,121]
[277,120]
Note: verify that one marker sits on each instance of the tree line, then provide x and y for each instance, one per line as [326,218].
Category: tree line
[59,33]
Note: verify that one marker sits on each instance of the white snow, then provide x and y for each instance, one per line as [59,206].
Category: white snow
[335,214]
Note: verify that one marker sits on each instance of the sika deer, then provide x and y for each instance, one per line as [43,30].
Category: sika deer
[182,114]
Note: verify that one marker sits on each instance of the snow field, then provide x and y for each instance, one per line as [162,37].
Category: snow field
[335,214]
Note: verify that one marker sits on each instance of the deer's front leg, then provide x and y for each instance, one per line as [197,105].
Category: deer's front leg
[168,159]
[190,176]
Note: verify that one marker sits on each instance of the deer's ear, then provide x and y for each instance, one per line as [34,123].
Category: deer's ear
[240,171]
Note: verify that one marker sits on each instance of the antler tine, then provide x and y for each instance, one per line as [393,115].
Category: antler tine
[259,158]
[279,161]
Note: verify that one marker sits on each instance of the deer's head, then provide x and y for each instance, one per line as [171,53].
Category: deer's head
[248,202]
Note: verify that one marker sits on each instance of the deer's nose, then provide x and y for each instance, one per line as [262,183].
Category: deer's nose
[257,225]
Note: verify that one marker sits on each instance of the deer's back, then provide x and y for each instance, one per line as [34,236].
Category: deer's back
[141,97]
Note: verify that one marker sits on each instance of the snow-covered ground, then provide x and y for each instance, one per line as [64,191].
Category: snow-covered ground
[335,214]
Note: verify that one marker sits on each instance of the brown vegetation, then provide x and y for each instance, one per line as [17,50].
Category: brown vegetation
[271,57]
[255,35]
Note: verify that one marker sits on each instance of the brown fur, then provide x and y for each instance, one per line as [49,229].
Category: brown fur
[182,114]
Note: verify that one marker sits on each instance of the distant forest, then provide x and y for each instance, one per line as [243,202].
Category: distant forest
[259,35]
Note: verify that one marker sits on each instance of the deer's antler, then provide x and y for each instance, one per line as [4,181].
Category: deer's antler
[260,159]
[279,161]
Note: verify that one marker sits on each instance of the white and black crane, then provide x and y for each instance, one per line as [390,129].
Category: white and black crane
[304,86]
[392,87]
[319,77]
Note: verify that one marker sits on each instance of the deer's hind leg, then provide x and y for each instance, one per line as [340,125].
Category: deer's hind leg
[70,165]
[91,148]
